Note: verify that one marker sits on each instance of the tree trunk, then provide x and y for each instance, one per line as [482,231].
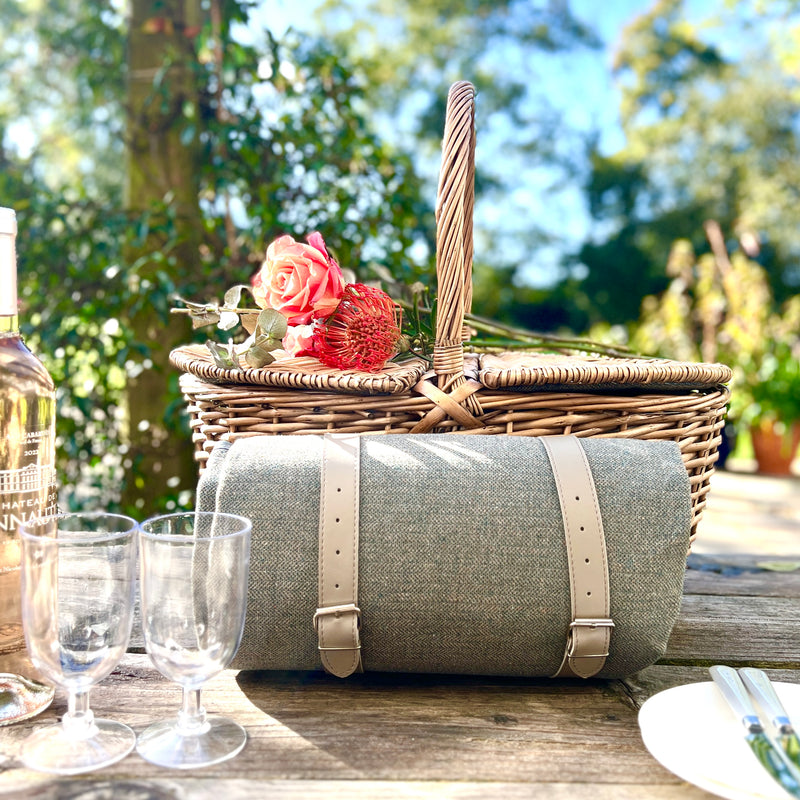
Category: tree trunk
[160,167]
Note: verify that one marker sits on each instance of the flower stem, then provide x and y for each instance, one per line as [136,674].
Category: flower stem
[511,336]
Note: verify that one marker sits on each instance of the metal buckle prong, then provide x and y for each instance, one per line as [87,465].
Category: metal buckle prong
[599,622]
[337,611]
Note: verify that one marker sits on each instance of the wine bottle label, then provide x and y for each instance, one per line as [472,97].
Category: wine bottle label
[26,491]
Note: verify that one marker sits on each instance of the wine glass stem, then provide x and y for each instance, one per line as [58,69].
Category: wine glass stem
[192,716]
[79,719]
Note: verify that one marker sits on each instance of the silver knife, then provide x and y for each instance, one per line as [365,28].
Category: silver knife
[758,684]
[769,755]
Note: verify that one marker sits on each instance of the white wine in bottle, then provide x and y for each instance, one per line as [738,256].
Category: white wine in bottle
[27,469]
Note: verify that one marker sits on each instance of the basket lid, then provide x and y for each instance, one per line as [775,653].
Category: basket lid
[301,373]
[535,371]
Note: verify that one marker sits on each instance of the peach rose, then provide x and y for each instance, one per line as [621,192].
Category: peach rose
[299,340]
[300,280]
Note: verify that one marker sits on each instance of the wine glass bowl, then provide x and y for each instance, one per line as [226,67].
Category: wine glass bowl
[194,569]
[78,586]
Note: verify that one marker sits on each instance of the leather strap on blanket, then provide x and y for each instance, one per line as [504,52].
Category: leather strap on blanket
[338,618]
[590,631]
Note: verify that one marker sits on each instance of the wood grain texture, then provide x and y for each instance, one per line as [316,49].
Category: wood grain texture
[746,584]
[396,727]
[194,788]
[748,617]
[741,576]
[657,678]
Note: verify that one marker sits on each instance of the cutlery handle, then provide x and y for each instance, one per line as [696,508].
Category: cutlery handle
[762,689]
[734,692]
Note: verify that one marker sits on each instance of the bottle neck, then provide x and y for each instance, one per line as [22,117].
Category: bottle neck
[9,325]
[9,319]
[8,276]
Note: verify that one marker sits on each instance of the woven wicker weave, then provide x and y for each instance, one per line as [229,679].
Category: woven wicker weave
[526,395]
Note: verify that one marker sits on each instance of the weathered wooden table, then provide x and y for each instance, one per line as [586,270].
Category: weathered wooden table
[400,736]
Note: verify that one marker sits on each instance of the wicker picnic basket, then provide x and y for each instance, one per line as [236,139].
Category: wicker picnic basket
[490,393]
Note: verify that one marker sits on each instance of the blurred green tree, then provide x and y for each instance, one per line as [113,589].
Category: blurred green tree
[719,307]
[711,133]
[229,143]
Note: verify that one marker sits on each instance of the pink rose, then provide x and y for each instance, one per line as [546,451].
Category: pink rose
[300,280]
[299,340]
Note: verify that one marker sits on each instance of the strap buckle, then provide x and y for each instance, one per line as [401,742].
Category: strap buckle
[593,624]
[337,611]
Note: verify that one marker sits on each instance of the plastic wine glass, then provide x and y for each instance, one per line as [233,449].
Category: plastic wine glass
[194,569]
[78,589]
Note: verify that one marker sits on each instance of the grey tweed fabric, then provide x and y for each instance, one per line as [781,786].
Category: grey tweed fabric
[462,557]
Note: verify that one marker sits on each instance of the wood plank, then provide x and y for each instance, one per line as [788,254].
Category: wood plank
[657,678]
[239,789]
[746,584]
[403,728]
[736,576]
[87,788]
[759,631]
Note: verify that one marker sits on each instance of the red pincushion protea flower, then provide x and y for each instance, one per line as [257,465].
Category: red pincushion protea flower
[362,333]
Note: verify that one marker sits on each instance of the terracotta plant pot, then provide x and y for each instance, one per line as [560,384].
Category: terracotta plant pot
[775,446]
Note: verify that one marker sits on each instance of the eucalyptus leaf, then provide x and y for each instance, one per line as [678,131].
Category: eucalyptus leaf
[202,318]
[272,323]
[234,295]
[260,352]
[267,342]
[224,355]
[258,357]
[228,320]
[249,320]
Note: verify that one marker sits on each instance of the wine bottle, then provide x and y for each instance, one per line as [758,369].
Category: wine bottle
[27,448]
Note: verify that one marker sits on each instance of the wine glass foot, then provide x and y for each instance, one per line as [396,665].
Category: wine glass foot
[57,750]
[22,698]
[164,743]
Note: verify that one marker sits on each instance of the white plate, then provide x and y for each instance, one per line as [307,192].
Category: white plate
[693,733]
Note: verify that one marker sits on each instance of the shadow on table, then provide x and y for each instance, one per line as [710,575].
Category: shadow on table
[404,726]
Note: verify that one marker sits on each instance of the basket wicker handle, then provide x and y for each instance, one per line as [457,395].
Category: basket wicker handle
[454,210]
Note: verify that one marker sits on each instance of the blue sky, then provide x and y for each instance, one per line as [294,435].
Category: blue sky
[588,69]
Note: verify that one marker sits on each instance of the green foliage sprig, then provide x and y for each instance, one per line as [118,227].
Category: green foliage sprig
[266,329]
